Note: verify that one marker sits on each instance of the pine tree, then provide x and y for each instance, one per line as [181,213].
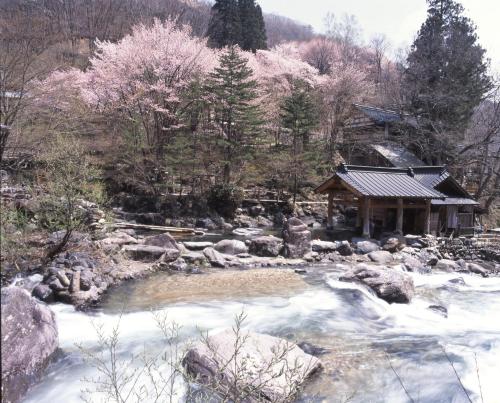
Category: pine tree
[446,77]
[253,31]
[298,114]
[261,36]
[233,91]
[224,28]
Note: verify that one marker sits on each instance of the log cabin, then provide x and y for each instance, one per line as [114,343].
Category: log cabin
[413,200]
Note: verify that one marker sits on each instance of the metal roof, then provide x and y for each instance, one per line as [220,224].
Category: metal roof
[379,115]
[383,182]
[458,201]
[397,155]
[431,176]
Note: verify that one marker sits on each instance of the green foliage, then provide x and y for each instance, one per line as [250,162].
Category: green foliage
[298,112]
[446,77]
[299,116]
[224,28]
[225,199]
[69,179]
[253,31]
[233,92]
[237,22]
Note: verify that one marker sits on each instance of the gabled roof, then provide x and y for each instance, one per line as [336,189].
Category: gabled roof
[379,115]
[380,182]
[431,176]
[397,155]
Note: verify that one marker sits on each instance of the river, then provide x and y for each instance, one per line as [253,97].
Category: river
[374,351]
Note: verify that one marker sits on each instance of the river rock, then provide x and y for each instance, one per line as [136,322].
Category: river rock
[231,247]
[206,223]
[214,257]
[414,265]
[296,238]
[446,265]
[264,222]
[119,238]
[345,249]
[198,245]
[43,292]
[390,285]
[257,364]
[165,241]
[266,246]
[178,265]
[393,244]
[55,285]
[428,257]
[145,253]
[86,278]
[61,276]
[439,309]
[194,257]
[475,268]
[365,247]
[75,282]
[380,257]
[29,338]
[320,246]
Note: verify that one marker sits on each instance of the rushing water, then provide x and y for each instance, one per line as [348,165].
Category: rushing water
[375,350]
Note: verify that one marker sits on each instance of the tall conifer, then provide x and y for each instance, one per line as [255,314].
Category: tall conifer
[446,77]
[233,91]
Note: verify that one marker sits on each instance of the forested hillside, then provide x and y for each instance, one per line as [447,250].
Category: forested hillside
[171,97]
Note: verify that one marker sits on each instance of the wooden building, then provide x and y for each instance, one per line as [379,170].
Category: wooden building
[407,200]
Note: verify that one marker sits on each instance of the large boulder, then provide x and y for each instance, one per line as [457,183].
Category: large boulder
[165,241]
[266,246]
[412,264]
[29,338]
[214,257]
[269,367]
[389,284]
[146,253]
[475,268]
[447,265]
[323,246]
[345,249]
[364,247]
[296,238]
[380,257]
[231,247]
[394,244]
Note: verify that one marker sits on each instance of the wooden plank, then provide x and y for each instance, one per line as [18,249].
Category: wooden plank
[174,230]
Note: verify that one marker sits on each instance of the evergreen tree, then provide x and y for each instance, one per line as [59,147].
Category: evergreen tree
[446,76]
[233,91]
[261,35]
[224,28]
[253,31]
[298,114]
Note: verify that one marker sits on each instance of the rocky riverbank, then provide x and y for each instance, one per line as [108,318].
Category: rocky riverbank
[81,278]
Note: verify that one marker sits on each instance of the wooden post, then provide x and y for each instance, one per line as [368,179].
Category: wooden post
[329,224]
[366,218]
[427,222]
[399,220]
[359,216]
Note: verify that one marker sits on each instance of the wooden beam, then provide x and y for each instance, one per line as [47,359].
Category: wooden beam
[329,222]
[366,218]
[359,215]
[427,222]
[399,220]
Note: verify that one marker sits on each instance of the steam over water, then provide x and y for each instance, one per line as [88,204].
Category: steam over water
[374,350]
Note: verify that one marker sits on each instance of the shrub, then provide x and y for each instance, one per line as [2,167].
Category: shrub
[225,199]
